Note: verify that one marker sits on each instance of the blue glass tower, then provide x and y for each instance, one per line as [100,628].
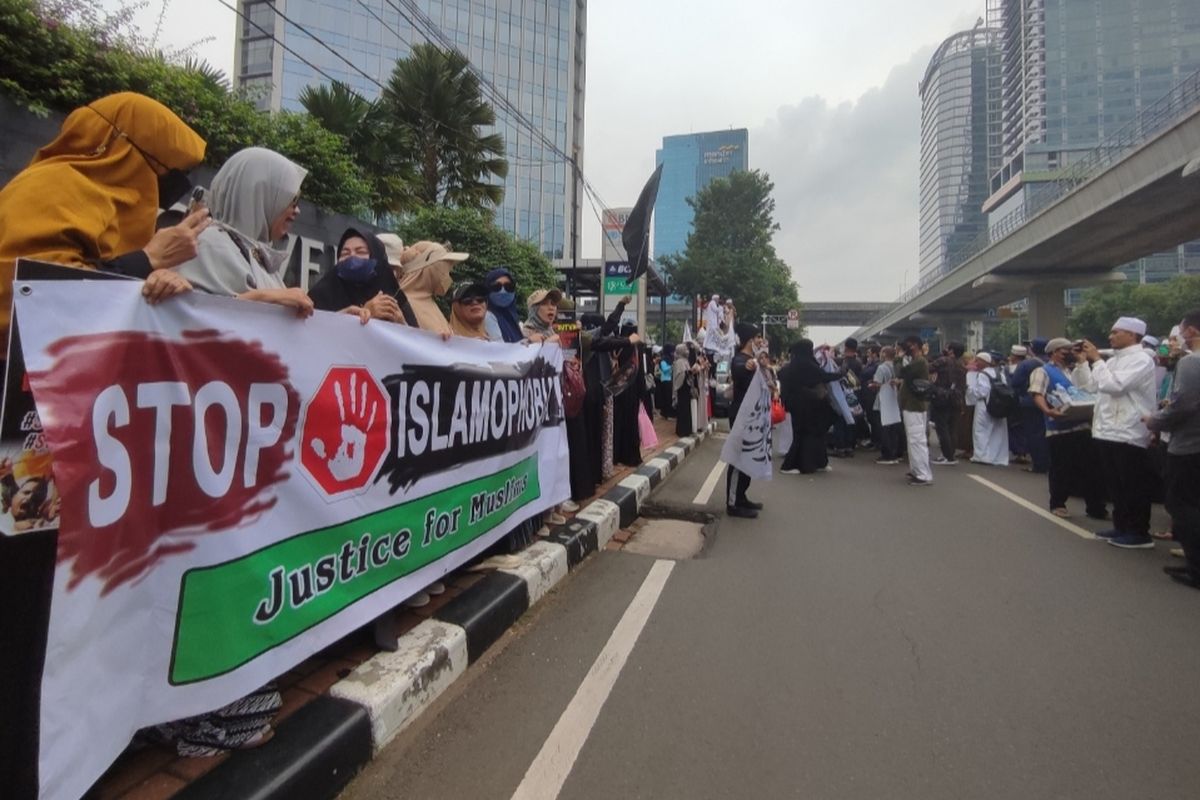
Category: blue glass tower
[691,162]
[531,50]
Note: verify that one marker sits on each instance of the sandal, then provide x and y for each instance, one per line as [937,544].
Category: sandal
[1163,535]
[1060,512]
[1177,552]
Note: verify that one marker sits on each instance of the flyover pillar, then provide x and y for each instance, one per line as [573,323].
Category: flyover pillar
[1047,310]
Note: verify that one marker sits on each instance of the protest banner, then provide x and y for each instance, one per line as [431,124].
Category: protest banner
[241,488]
[748,447]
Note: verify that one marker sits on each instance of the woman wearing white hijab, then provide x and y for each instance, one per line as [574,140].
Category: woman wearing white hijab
[253,201]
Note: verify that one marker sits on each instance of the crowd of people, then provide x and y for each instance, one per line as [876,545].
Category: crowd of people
[1117,427]
[92,199]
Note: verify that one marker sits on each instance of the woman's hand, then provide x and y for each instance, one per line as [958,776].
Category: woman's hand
[172,246]
[164,284]
[290,298]
[383,306]
[364,315]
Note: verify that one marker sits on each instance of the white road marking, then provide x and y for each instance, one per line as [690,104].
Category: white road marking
[706,489]
[1082,533]
[545,777]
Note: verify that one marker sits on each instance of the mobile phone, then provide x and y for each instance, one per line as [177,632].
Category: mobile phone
[196,199]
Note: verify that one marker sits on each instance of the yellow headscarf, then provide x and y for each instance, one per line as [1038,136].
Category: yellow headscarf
[89,195]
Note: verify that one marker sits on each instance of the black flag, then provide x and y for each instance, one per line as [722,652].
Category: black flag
[636,236]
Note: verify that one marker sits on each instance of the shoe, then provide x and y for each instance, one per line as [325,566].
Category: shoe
[750,504]
[543,531]
[568,507]
[1110,533]
[556,519]
[1188,578]
[418,600]
[745,513]
[1132,541]
[919,482]
[940,460]
[436,588]
[1177,552]
[1163,535]
[826,468]
[887,462]
[789,472]
[1060,512]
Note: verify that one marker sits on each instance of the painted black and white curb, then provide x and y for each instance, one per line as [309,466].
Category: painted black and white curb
[317,750]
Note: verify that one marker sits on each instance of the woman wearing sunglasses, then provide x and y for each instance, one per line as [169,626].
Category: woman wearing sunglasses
[501,321]
[469,310]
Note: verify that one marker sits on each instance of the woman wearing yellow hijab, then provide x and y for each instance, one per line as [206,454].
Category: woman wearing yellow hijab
[90,197]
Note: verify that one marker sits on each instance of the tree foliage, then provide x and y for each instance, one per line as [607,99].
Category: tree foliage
[57,55]
[1161,305]
[382,149]
[436,100]
[730,252]
[473,231]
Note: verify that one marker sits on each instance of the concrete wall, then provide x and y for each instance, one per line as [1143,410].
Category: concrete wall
[313,237]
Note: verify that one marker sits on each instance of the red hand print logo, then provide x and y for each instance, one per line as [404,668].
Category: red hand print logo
[345,431]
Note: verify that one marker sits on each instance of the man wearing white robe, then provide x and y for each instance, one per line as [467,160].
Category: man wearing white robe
[714,313]
[989,434]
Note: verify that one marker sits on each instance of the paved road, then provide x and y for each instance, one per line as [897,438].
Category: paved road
[862,639]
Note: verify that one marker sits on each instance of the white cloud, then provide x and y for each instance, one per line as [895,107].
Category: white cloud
[846,187]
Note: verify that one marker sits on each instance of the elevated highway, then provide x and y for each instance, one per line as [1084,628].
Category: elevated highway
[1137,194]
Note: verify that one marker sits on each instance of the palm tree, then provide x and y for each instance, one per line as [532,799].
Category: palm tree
[379,146]
[436,99]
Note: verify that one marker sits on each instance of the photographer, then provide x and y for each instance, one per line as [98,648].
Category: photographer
[1124,385]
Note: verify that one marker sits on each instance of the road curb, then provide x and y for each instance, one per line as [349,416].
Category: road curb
[325,746]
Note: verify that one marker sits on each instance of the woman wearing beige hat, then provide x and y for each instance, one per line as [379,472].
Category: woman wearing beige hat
[424,274]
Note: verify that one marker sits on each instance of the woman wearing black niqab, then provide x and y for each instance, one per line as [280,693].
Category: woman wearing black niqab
[802,386]
[357,280]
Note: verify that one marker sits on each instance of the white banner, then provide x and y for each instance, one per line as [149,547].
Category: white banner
[241,488]
[748,447]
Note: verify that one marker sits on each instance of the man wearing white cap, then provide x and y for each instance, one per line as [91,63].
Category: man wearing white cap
[989,435]
[1125,394]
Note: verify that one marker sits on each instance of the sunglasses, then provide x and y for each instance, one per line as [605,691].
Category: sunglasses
[503,287]
[473,300]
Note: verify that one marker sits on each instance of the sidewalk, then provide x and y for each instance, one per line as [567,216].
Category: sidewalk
[345,703]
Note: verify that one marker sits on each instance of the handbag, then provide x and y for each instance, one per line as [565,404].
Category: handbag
[646,432]
[778,414]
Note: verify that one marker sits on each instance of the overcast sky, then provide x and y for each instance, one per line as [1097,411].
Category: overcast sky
[827,90]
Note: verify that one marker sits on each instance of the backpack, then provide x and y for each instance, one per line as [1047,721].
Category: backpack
[1002,400]
[573,389]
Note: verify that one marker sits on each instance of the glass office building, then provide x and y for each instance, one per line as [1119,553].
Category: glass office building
[531,50]
[959,143]
[691,162]
[1073,72]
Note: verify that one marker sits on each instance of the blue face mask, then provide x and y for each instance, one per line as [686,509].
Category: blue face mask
[502,299]
[356,269]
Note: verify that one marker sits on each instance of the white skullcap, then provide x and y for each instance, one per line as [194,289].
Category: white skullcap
[1130,324]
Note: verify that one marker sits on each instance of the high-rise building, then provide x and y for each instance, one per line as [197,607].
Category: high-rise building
[1073,72]
[531,50]
[691,162]
[959,143]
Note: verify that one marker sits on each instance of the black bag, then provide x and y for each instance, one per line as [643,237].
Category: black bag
[1002,400]
[945,399]
[922,389]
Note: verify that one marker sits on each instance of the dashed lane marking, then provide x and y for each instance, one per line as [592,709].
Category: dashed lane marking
[549,771]
[1082,533]
[706,489]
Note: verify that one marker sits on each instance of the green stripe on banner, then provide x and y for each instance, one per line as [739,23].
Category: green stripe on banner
[234,612]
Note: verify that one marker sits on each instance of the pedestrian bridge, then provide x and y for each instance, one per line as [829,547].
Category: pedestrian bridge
[1134,195]
[841,314]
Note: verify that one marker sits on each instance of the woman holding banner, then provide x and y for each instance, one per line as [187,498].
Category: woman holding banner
[88,199]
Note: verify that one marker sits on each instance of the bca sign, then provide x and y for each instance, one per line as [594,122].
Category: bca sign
[345,432]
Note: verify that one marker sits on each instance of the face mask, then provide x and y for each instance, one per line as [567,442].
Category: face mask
[356,269]
[501,298]
[172,185]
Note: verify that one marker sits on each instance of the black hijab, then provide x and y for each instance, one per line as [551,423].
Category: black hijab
[334,293]
[803,369]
